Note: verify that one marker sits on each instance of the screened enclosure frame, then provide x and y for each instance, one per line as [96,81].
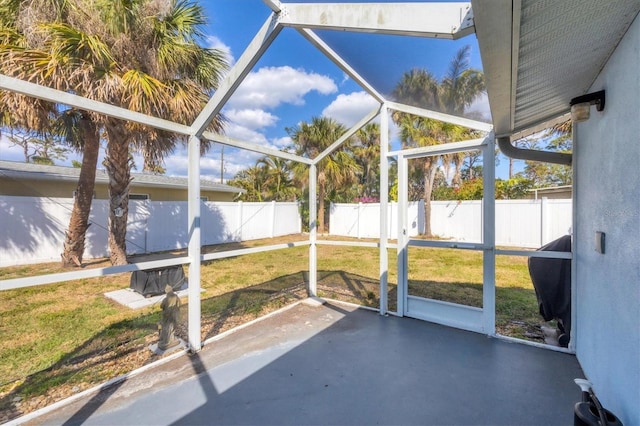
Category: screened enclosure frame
[436,20]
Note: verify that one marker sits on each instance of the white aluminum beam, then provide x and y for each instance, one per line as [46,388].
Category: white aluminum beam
[403,236]
[193,205]
[346,136]
[447,118]
[313,231]
[226,140]
[252,250]
[447,244]
[384,210]
[489,237]
[274,5]
[437,20]
[445,148]
[263,39]
[536,253]
[347,243]
[341,63]
[59,97]
[15,283]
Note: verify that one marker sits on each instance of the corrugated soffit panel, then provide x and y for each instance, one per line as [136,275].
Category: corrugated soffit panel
[563,47]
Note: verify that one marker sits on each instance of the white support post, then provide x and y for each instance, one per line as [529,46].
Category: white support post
[384,210]
[489,237]
[313,231]
[403,238]
[193,192]
[573,335]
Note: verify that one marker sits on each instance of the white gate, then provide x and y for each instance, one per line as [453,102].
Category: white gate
[479,319]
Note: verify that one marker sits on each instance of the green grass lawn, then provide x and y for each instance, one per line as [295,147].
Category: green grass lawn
[62,338]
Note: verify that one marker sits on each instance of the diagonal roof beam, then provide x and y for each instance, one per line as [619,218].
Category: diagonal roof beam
[274,5]
[448,148]
[347,135]
[341,63]
[263,39]
[437,20]
[226,140]
[453,119]
[59,97]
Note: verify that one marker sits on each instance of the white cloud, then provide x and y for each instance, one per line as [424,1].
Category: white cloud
[272,86]
[280,143]
[480,107]
[245,134]
[251,118]
[349,109]
[215,43]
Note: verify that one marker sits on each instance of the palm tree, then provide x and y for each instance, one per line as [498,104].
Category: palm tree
[455,92]
[143,55]
[336,170]
[165,73]
[278,184]
[26,52]
[366,150]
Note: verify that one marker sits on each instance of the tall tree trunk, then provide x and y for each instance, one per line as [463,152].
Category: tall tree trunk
[447,159]
[321,196]
[118,164]
[458,159]
[430,168]
[79,222]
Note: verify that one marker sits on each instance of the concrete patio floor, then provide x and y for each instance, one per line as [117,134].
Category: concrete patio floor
[336,364]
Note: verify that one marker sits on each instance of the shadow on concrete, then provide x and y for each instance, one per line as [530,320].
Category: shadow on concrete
[336,365]
[219,314]
[92,405]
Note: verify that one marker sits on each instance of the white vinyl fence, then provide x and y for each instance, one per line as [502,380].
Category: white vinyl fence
[519,223]
[32,229]
[363,220]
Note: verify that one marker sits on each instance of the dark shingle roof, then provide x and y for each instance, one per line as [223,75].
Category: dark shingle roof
[37,171]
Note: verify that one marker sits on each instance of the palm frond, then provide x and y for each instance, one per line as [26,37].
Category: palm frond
[74,45]
[119,16]
[142,92]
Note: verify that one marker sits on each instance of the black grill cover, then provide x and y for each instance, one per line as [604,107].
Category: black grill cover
[152,282]
[552,282]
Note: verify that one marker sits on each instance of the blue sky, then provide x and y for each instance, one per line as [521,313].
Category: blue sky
[294,82]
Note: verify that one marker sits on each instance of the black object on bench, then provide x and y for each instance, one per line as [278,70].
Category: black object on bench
[152,282]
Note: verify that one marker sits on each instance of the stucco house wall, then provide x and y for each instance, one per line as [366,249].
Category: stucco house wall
[607,199]
[31,180]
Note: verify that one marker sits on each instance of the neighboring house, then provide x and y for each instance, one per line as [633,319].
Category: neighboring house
[35,180]
[556,192]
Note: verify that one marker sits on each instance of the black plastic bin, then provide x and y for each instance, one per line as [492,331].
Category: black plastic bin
[152,282]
